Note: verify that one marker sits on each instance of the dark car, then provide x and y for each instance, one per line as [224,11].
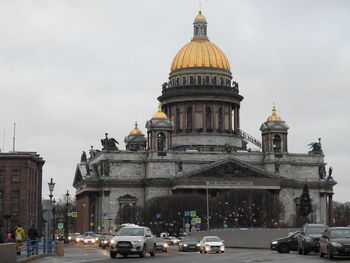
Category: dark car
[335,241]
[286,244]
[189,244]
[104,241]
[309,238]
[161,244]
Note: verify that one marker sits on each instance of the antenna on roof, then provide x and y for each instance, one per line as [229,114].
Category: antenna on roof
[14,137]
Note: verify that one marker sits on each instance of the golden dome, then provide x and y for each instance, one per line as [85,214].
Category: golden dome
[200,18]
[274,116]
[159,114]
[136,131]
[200,53]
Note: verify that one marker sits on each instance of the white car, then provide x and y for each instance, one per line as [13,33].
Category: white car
[89,240]
[172,240]
[133,240]
[211,244]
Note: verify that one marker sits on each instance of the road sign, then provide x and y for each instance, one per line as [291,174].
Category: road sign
[74,214]
[193,213]
[187,225]
[193,221]
[158,215]
[69,214]
[198,220]
[60,225]
[187,213]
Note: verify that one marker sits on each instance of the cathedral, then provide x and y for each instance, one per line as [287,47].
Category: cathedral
[194,143]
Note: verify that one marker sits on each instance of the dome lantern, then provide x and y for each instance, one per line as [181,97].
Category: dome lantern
[200,27]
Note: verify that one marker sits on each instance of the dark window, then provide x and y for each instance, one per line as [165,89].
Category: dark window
[220,118]
[191,80]
[199,80]
[214,80]
[277,143]
[160,141]
[15,201]
[207,80]
[189,118]
[1,201]
[208,117]
[177,120]
[177,81]
[16,175]
[222,81]
[2,176]
[184,81]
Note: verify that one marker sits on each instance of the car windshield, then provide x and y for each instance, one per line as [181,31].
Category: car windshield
[315,230]
[212,239]
[89,233]
[189,239]
[159,239]
[340,233]
[126,231]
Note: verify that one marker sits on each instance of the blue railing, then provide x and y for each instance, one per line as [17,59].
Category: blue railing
[36,247]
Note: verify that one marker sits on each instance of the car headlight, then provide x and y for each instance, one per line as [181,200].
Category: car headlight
[185,245]
[165,245]
[69,238]
[105,241]
[222,248]
[207,248]
[198,245]
[336,244]
[112,241]
[96,238]
[137,241]
[308,239]
[78,239]
[274,242]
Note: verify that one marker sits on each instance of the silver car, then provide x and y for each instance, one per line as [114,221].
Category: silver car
[211,244]
[133,240]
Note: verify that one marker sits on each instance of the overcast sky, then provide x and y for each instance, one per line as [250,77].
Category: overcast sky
[72,70]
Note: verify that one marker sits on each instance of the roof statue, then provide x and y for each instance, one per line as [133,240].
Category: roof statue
[109,144]
[330,171]
[93,152]
[316,147]
[83,157]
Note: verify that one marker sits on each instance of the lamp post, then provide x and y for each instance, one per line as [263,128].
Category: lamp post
[51,187]
[66,224]
[53,218]
[207,194]
[83,218]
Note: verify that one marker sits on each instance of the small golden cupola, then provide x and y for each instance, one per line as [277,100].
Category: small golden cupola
[274,116]
[159,114]
[136,130]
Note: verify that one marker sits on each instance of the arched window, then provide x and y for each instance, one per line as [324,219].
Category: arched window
[277,143]
[160,142]
[184,81]
[196,30]
[189,118]
[199,80]
[220,118]
[177,119]
[208,117]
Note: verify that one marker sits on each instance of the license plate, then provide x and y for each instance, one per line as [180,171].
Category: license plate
[123,245]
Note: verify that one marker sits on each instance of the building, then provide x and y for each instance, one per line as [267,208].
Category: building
[194,142]
[20,189]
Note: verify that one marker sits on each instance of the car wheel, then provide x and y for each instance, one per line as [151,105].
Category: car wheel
[153,252]
[283,248]
[143,253]
[113,254]
[299,250]
[321,253]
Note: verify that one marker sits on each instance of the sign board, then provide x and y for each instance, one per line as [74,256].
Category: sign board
[193,213]
[187,225]
[158,215]
[198,220]
[60,225]
[74,214]
[69,214]
[187,213]
[193,221]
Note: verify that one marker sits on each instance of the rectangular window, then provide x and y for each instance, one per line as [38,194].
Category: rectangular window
[15,201]
[16,175]
[2,198]
[2,176]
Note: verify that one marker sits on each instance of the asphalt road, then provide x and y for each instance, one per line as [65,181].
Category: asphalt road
[81,253]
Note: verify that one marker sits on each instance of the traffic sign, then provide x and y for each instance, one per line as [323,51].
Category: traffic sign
[187,225]
[193,213]
[198,220]
[187,213]
[60,225]
[158,215]
[193,221]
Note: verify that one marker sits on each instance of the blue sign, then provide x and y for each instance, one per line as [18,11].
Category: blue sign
[187,213]
[158,215]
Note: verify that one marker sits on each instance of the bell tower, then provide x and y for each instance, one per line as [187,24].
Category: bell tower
[274,133]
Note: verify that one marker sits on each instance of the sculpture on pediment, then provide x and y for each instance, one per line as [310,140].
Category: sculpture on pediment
[93,152]
[83,157]
[316,147]
[322,172]
[330,171]
[227,148]
[109,144]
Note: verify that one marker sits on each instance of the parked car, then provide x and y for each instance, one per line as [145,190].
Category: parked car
[287,243]
[172,240]
[133,240]
[309,237]
[335,241]
[161,244]
[104,241]
[189,244]
[211,244]
[89,240]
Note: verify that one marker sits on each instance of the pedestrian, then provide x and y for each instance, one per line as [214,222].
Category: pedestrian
[9,238]
[20,236]
[1,234]
[32,236]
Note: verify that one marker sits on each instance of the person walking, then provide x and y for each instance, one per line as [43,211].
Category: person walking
[32,236]
[20,236]
[8,238]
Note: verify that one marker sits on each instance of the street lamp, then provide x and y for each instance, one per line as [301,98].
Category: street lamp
[53,218]
[207,194]
[51,187]
[83,217]
[66,226]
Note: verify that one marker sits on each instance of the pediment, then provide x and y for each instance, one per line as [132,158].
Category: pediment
[78,177]
[229,169]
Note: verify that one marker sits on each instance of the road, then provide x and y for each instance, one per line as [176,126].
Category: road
[81,253]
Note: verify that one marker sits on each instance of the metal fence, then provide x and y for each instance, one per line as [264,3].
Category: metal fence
[36,247]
